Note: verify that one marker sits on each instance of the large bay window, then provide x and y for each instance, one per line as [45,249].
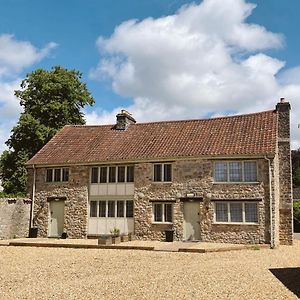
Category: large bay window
[111,209]
[235,171]
[236,212]
[162,212]
[112,174]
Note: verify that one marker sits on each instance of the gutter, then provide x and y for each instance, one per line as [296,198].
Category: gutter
[33,196]
[272,233]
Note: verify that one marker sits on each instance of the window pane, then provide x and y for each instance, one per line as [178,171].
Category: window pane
[65,174]
[167,172]
[94,175]
[103,174]
[158,212]
[251,212]
[93,209]
[112,174]
[120,209]
[111,209]
[235,171]
[121,174]
[102,209]
[236,212]
[157,172]
[49,175]
[57,174]
[250,171]
[168,212]
[129,209]
[221,172]
[130,173]
[221,212]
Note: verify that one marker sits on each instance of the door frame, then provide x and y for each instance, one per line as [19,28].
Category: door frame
[51,200]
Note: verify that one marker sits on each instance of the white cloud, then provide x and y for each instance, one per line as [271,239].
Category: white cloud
[15,56]
[204,60]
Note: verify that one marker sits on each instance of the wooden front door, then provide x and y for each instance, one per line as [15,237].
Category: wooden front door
[191,221]
[56,220]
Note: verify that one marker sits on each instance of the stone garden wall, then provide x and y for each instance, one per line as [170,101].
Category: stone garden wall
[14,217]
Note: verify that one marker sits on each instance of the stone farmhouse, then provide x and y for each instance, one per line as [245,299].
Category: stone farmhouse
[224,179]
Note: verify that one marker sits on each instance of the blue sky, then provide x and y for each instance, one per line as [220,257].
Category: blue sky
[178,59]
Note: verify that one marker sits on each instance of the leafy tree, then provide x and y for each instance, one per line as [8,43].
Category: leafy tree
[50,100]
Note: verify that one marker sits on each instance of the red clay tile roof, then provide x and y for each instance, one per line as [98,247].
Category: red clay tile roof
[252,134]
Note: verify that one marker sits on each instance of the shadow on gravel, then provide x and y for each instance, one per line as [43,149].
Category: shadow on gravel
[290,277]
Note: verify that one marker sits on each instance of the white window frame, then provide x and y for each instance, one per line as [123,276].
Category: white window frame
[106,209]
[163,212]
[53,174]
[107,174]
[228,172]
[162,172]
[243,212]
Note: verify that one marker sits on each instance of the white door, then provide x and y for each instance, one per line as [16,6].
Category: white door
[191,221]
[56,221]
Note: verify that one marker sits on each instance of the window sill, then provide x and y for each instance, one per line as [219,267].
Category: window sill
[111,183]
[162,182]
[162,223]
[236,182]
[235,223]
[56,182]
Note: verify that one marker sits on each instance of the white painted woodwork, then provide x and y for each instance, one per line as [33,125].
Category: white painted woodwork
[104,189]
[191,221]
[56,218]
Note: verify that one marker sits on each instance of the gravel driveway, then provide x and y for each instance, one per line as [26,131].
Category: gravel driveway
[51,273]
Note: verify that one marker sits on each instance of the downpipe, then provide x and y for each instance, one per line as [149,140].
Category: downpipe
[272,242]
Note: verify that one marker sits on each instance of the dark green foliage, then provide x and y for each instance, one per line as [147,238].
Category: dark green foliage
[296,212]
[296,205]
[296,167]
[50,99]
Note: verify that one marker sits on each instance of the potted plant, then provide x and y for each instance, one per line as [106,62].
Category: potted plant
[115,234]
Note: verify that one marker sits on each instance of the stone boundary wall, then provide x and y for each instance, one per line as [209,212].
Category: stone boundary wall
[14,217]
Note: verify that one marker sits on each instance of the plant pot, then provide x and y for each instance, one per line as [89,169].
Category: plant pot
[33,232]
[105,241]
[116,239]
[124,238]
[131,237]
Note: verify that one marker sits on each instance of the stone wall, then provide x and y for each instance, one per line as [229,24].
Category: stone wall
[14,217]
[75,193]
[285,174]
[195,177]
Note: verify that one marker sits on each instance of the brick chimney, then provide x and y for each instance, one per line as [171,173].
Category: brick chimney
[124,120]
